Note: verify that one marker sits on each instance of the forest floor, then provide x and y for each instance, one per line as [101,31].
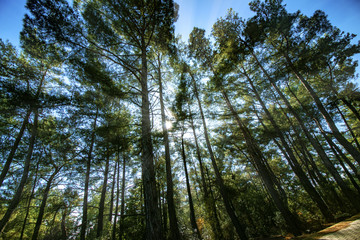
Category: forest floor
[348,229]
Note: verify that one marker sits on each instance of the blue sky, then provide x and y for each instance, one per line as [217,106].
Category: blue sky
[11,14]
[344,14]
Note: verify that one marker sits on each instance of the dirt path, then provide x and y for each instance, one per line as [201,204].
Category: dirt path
[345,230]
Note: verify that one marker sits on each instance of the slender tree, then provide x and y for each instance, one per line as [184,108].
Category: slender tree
[122,206]
[17,196]
[43,203]
[84,222]
[174,228]
[191,204]
[100,224]
[240,228]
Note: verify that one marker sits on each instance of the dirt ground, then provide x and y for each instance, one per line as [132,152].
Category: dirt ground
[348,229]
[345,230]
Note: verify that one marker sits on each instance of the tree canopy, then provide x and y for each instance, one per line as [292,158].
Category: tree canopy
[111,127]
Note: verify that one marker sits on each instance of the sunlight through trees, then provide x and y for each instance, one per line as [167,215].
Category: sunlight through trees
[113,128]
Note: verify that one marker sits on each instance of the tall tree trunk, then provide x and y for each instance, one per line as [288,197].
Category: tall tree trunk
[191,205]
[346,159]
[17,197]
[318,148]
[294,164]
[100,223]
[333,147]
[43,204]
[341,139]
[122,207]
[293,223]
[240,229]
[9,159]
[198,154]
[345,189]
[142,207]
[327,187]
[337,151]
[87,179]
[351,107]
[112,191]
[210,206]
[343,99]
[152,212]
[161,207]
[303,156]
[174,228]
[350,176]
[307,160]
[22,129]
[63,225]
[323,181]
[348,126]
[164,212]
[113,233]
[29,203]
[214,207]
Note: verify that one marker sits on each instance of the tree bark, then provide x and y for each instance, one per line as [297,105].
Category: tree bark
[351,107]
[346,159]
[191,205]
[349,194]
[352,180]
[174,228]
[43,204]
[122,206]
[318,148]
[348,126]
[17,197]
[161,207]
[240,229]
[112,191]
[8,162]
[152,212]
[210,205]
[164,212]
[324,183]
[22,129]
[337,152]
[113,233]
[294,164]
[341,139]
[333,171]
[29,203]
[293,223]
[87,179]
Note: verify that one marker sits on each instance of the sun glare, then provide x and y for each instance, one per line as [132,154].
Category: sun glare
[168,125]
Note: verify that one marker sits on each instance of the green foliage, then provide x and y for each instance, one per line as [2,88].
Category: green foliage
[101,59]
